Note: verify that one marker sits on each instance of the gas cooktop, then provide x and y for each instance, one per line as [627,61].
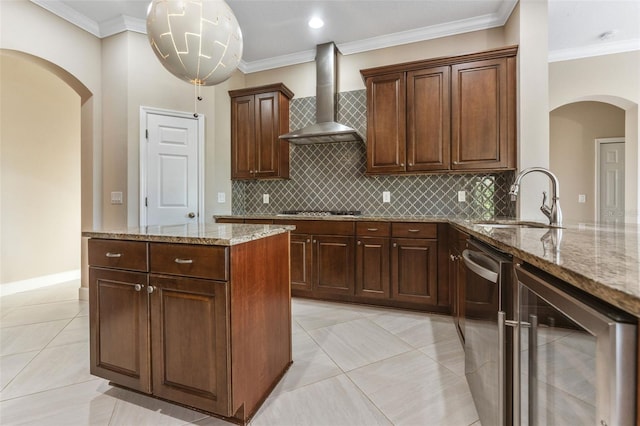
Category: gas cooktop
[321,212]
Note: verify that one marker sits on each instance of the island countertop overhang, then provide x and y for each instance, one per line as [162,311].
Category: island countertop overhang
[209,233]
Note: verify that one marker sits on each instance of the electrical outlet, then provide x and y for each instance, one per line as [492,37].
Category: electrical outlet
[582,198]
[265,198]
[222,197]
[462,196]
[386,196]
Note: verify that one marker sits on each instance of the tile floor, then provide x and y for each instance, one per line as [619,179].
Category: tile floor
[353,365]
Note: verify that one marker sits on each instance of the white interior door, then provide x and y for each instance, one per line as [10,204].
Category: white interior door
[172,192]
[611,181]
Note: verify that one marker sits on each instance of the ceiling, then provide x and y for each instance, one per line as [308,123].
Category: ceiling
[275,32]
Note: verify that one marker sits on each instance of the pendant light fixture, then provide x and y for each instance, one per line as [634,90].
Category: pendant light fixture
[198,41]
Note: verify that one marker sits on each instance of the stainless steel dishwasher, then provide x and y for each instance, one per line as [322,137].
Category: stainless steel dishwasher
[489,303]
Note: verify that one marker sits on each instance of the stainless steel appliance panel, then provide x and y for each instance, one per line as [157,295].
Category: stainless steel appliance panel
[488,342]
[577,356]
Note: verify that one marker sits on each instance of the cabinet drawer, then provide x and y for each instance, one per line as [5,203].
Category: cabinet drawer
[373,229]
[414,230]
[198,261]
[131,255]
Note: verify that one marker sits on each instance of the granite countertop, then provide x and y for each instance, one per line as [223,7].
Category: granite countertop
[193,233]
[601,260]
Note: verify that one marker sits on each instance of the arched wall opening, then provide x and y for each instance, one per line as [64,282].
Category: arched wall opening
[574,128]
[46,145]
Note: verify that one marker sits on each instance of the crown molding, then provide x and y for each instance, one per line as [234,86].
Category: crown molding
[68,14]
[594,50]
[122,23]
[278,61]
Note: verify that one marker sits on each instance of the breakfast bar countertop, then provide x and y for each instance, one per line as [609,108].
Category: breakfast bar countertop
[602,260]
[209,233]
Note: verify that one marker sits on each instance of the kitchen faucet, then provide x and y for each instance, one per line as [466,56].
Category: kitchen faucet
[553,213]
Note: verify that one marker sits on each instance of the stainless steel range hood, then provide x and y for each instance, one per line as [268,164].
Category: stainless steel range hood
[326,129]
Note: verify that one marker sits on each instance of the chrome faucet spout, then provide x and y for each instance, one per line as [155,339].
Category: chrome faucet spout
[553,212]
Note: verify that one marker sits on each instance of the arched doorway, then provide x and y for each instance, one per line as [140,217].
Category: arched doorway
[46,159]
[573,130]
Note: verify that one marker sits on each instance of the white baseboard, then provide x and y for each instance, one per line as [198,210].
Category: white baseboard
[38,282]
[83,293]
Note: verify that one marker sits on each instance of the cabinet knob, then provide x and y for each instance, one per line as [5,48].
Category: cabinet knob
[401,164]
[410,164]
[150,289]
[315,241]
[308,240]
[138,287]
[395,244]
[359,243]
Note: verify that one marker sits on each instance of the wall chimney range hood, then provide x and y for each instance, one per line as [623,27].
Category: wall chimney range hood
[326,129]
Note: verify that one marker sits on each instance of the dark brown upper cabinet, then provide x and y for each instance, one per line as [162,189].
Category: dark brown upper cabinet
[443,114]
[259,115]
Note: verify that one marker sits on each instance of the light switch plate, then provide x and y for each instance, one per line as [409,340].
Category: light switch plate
[265,198]
[462,196]
[116,197]
[222,197]
[582,198]
[386,196]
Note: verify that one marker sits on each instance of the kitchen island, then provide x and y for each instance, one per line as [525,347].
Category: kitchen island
[197,314]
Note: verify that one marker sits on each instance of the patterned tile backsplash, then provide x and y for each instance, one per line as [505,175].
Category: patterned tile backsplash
[331,177]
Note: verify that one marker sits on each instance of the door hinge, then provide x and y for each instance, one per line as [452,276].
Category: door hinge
[146,134]
[146,202]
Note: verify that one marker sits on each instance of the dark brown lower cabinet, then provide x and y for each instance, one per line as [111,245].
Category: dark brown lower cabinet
[205,326]
[189,328]
[414,270]
[372,267]
[301,263]
[333,264]
[457,278]
[119,327]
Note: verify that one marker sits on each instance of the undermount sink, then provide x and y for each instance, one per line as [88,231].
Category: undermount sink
[514,224]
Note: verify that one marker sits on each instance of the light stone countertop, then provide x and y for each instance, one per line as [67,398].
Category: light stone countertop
[209,233]
[601,260]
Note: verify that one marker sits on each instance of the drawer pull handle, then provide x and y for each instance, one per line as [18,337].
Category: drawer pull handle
[414,230]
[372,229]
[109,254]
[183,261]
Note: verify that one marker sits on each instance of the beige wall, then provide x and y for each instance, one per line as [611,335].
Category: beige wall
[301,79]
[614,79]
[573,130]
[40,172]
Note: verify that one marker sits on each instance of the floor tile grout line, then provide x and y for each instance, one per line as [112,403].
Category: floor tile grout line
[36,355]
[369,399]
[50,389]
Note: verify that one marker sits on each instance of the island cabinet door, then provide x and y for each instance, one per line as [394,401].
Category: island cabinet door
[333,264]
[119,327]
[190,342]
[301,263]
[414,264]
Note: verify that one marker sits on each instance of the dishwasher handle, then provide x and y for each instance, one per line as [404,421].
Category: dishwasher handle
[481,265]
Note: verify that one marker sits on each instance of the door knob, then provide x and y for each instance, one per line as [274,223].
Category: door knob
[191,215]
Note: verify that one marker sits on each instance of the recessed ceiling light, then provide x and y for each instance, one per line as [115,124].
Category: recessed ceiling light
[316,22]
